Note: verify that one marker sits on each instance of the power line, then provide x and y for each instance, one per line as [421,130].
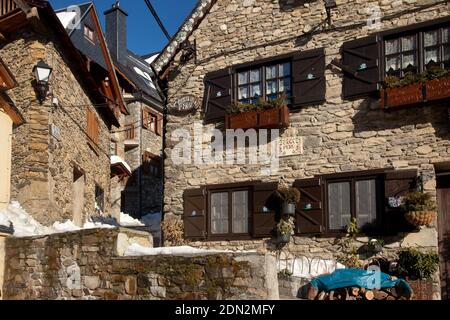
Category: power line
[158,20]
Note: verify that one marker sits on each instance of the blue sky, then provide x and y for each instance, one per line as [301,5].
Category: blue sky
[144,34]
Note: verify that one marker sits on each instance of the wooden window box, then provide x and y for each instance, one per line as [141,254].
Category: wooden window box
[438,89]
[265,119]
[402,96]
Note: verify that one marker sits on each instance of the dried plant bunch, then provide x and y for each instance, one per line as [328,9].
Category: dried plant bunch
[289,194]
[418,201]
[173,231]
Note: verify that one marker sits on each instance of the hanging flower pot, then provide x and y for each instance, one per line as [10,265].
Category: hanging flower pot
[420,218]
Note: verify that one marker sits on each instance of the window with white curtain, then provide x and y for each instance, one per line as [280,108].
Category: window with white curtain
[229,211]
[339,205]
[352,198]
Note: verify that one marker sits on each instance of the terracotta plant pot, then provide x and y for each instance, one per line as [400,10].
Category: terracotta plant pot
[274,118]
[421,218]
[245,120]
[402,96]
[438,89]
[265,119]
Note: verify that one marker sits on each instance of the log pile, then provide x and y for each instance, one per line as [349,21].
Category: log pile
[356,293]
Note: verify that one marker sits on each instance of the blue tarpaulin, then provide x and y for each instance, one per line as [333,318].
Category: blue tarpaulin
[369,279]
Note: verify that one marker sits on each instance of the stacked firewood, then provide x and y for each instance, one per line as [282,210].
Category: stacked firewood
[356,293]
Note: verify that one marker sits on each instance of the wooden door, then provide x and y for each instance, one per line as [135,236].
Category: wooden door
[443,198]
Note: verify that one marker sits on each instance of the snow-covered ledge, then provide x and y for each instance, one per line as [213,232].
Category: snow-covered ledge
[118,161]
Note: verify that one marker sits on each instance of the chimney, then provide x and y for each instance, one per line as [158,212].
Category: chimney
[116,32]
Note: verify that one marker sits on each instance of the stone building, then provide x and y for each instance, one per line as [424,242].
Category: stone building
[353,158]
[141,133]
[60,156]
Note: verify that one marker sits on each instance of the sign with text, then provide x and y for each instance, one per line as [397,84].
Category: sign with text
[290,144]
[184,105]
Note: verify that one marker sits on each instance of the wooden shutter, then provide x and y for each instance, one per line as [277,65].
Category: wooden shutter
[194,216]
[397,184]
[158,125]
[308,78]
[92,126]
[310,212]
[145,118]
[360,59]
[217,98]
[264,214]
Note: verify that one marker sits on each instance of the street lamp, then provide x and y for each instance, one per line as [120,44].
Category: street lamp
[42,72]
[329,4]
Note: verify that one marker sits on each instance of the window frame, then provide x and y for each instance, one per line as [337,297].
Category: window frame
[88,34]
[262,66]
[149,114]
[363,176]
[230,235]
[419,30]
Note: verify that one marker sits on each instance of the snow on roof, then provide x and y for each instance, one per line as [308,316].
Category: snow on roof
[66,17]
[117,159]
[146,76]
[152,58]
[138,250]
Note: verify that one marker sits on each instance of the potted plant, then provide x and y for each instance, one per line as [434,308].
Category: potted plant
[285,228]
[419,209]
[290,196]
[418,268]
[438,84]
[262,115]
[398,92]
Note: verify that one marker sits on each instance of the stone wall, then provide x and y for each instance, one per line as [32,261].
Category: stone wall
[43,164]
[339,135]
[85,265]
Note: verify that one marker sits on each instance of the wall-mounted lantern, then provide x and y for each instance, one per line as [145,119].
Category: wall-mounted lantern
[42,73]
[329,4]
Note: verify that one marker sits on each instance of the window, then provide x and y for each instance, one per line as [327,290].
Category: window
[151,165]
[99,200]
[437,48]
[401,56]
[92,128]
[352,198]
[267,82]
[130,132]
[418,51]
[229,212]
[89,34]
[113,148]
[151,121]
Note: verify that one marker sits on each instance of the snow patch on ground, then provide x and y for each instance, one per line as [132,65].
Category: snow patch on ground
[128,221]
[138,250]
[26,226]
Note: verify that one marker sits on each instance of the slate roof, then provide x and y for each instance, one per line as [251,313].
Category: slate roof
[84,9]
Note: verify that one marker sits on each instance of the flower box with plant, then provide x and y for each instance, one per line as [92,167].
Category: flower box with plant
[285,229]
[289,196]
[419,209]
[417,265]
[432,85]
[263,115]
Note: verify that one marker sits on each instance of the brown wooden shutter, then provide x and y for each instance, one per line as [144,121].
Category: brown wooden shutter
[397,184]
[217,98]
[310,212]
[194,216]
[158,125]
[360,59]
[92,126]
[264,214]
[308,78]
[145,119]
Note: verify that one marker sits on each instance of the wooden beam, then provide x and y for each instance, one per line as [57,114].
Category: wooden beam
[11,111]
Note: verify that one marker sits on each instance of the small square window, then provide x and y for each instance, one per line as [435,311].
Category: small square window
[89,34]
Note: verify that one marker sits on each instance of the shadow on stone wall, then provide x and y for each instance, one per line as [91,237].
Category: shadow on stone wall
[445,266]
[288,5]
